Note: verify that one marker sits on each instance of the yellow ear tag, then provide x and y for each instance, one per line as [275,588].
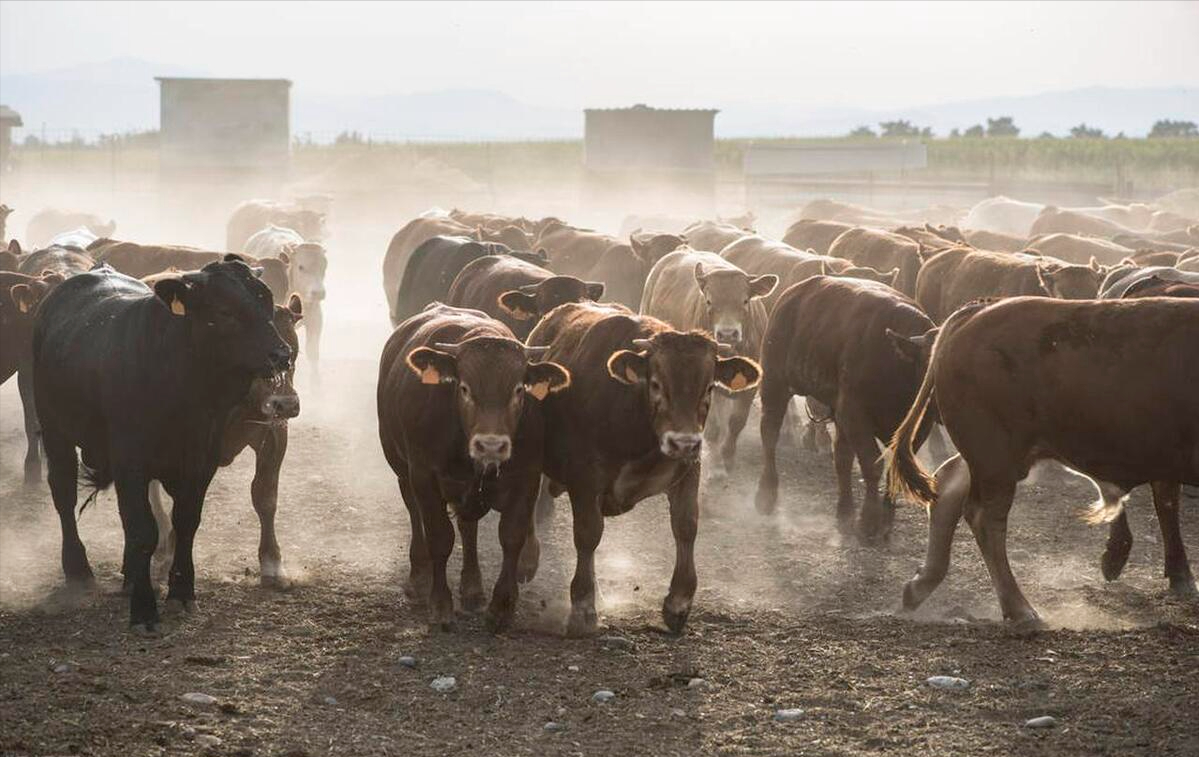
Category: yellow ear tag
[430,375]
[738,383]
[177,307]
[23,306]
[521,314]
[541,390]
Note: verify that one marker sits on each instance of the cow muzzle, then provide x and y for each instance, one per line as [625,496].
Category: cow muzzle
[490,450]
[680,445]
[280,406]
[727,333]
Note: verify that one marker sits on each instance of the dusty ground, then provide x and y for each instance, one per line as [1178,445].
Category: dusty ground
[787,616]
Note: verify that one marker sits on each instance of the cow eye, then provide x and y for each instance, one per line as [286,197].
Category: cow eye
[655,385]
[520,389]
[465,390]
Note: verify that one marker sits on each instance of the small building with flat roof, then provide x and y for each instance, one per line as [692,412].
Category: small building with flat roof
[9,120]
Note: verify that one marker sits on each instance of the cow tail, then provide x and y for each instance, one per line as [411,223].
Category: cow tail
[906,477]
[96,479]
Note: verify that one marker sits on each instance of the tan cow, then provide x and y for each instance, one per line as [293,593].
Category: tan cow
[713,236]
[692,289]
[1076,248]
[882,251]
[813,234]
[996,241]
[1053,219]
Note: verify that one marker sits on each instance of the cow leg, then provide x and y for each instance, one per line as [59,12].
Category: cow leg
[544,509]
[63,474]
[264,494]
[953,487]
[419,570]
[684,522]
[439,540]
[141,537]
[185,517]
[878,513]
[314,319]
[33,429]
[843,462]
[515,527]
[775,399]
[1119,544]
[987,516]
[1178,569]
[588,530]
[530,554]
[164,553]
[737,416]
[470,585]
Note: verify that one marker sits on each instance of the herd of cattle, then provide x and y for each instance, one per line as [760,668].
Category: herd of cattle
[532,358]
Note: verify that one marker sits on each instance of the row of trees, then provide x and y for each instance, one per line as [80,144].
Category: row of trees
[1005,126]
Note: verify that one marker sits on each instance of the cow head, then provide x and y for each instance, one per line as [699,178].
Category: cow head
[306,264]
[230,315]
[532,301]
[1071,282]
[650,248]
[274,399]
[309,224]
[493,378]
[274,275]
[23,298]
[727,294]
[678,373]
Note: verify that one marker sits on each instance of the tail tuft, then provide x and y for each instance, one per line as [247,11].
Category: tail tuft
[95,479]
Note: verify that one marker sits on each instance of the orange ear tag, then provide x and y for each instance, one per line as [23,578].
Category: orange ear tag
[177,307]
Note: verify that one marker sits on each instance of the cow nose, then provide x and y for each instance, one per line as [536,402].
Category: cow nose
[678,444]
[490,447]
[280,357]
[728,334]
[282,406]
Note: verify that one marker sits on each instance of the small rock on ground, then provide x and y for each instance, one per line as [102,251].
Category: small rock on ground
[553,727]
[1044,721]
[407,661]
[196,697]
[948,682]
[787,715]
[603,696]
[444,684]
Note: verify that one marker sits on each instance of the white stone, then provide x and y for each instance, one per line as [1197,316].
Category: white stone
[444,684]
[787,715]
[603,696]
[1044,721]
[196,697]
[952,683]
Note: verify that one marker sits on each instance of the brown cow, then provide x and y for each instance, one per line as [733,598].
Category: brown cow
[713,236]
[995,241]
[461,423]
[65,262]
[882,251]
[1031,378]
[630,427]
[931,237]
[405,241]
[1076,248]
[19,296]
[690,289]
[859,348]
[515,292]
[813,234]
[594,256]
[142,260]
[961,275]
[1051,220]
[260,423]
[254,215]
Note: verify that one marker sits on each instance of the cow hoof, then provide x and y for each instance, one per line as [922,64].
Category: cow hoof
[1183,586]
[498,621]
[145,630]
[582,624]
[913,595]
[676,621]
[1027,622]
[765,501]
[472,600]
[180,606]
[1113,562]
[416,589]
[277,582]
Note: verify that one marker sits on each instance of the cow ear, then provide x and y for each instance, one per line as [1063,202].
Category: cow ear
[824,267]
[295,306]
[701,277]
[595,290]
[14,247]
[26,297]
[909,348]
[737,374]
[285,255]
[628,367]
[763,286]
[890,277]
[174,292]
[1045,275]
[1094,264]
[543,379]
[433,366]
[520,305]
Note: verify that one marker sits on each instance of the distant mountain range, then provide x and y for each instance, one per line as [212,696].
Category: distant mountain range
[121,95]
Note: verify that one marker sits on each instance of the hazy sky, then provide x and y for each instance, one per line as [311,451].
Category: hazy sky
[571,54]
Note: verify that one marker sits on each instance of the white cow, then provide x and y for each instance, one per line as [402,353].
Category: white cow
[1003,214]
[80,237]
[306,264]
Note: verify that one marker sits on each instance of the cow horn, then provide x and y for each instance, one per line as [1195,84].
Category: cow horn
[642,345]
[450,348]
[536,353]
